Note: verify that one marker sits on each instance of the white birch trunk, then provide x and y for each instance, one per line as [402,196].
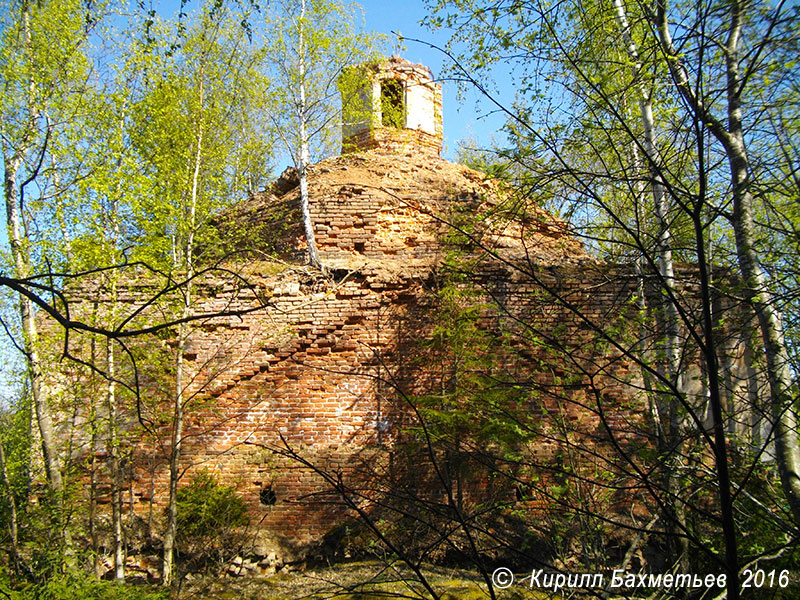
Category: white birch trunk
[168,570]
[21,257]
[114,463]
[304,158]
[20,254]
[671,318]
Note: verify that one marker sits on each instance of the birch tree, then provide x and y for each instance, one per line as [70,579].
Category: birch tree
[724,118]
[44,68]
[672,419]
[308,45]
[195,127]
[105,200]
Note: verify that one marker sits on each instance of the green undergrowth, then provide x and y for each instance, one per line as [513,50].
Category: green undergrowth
[78,586]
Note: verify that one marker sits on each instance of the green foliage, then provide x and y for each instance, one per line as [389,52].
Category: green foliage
[310,44]
[44,69]
[198,132]
[581,141]
[477,401]
[474,398]
[15,437]
[78,585]
[206,508]
[210,523]
[392,104]
[486,160]
[463,450]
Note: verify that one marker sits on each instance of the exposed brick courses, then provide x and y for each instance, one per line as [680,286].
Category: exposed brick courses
[325,365]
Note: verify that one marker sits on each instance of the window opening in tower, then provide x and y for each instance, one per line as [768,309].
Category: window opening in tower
[392,104]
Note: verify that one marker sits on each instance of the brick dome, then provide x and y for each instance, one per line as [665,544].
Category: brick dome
[379,207]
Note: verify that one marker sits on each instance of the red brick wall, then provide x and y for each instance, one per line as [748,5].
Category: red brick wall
[323,367]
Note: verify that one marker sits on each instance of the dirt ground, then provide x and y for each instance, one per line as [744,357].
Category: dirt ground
[355,580]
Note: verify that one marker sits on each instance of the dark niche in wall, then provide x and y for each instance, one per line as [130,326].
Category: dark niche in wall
[267,496]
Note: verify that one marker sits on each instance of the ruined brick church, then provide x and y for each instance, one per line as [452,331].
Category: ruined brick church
[329,365]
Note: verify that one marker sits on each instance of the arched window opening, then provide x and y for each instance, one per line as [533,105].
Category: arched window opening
[392,103]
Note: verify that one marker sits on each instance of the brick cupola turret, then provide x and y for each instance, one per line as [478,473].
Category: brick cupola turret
[398,108]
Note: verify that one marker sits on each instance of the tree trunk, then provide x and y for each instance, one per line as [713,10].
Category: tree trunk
[302,167]
[168,570]
[174,464]
[673,429]
[21,257]
[731,138]
[20,254]
[93,424]
[784,416]
[114,464]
